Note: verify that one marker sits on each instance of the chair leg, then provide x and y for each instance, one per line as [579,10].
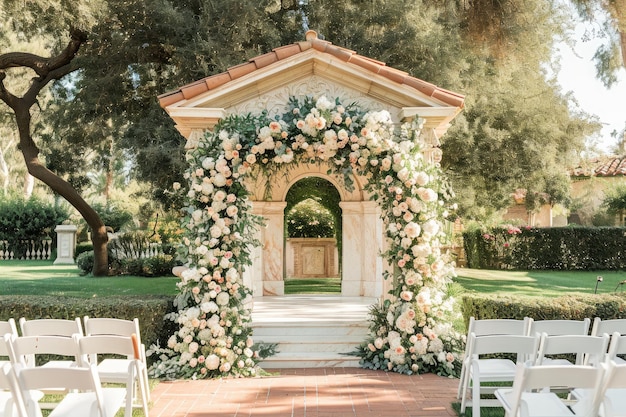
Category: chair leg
[475,398]
[461,380]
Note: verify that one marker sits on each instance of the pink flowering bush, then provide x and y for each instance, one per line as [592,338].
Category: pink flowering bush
[410,333]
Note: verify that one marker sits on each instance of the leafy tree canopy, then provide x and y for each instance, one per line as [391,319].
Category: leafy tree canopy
[516,124]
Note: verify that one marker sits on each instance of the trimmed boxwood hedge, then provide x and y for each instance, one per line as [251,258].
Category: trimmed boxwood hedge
[569,307]
[552,248]
[150,310]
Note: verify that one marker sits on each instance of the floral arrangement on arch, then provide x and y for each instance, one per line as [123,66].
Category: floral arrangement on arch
[410,333]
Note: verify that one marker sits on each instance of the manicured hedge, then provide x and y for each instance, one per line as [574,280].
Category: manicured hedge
[554,248]
[570,307]
[150,311]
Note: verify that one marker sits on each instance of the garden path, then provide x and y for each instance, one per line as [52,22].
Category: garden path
[310,392]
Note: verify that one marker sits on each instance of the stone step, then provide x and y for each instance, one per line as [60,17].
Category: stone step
[309,360]
[311,331]
[311,344]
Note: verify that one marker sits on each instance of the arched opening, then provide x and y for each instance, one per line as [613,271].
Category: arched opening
[313,238]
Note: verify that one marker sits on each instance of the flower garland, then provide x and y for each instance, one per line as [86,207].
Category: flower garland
[410,333]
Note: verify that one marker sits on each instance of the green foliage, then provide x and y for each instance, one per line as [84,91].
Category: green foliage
[82,247]
[559,248]
[310,219]
[615,200]
[112,216]
[149,309]
[320,192]
[32,219]
[153,266]
[568,307]
[85,261]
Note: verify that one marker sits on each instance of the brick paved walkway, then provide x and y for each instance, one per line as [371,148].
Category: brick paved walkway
[312,392]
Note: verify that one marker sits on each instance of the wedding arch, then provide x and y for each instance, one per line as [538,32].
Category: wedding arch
[233,164]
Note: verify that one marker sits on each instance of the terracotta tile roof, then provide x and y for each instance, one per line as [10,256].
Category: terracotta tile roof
[605,166]
[196,88]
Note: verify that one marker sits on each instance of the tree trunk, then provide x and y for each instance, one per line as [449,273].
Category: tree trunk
[30,151]
[29,185]
[48,69]
[4,170]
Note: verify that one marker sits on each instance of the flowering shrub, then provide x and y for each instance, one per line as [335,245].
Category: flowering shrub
[411,333]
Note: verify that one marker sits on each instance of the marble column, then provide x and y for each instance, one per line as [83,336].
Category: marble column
[272,240]
[361,274]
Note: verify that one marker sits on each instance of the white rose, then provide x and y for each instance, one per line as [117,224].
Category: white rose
[412,230]
[222,299]
[219,180]
[231,211]
[431,227]
[208,163]
[422,179]
[212,362]
[215,231]
[196,216]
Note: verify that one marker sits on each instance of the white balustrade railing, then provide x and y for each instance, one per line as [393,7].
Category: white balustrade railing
[26,250]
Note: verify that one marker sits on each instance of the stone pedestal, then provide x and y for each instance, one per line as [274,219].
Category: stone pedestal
[66,243]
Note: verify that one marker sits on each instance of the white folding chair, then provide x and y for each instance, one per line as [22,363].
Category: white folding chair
[24,350]
[481,370]
[127,370]
[559,327]
[6,327]
[531,396]
[11,400]
[608,326]
[588,350]
[489,327]
[86,399]
[617,346]
[52,327]
[120,327]
[614,398]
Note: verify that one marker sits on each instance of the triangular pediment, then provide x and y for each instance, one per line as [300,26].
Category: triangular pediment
[314,68]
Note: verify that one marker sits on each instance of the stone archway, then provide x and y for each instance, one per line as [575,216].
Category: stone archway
[362,267]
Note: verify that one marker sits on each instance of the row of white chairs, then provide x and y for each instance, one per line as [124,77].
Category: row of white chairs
[531,342]
[593,391]
[119,340]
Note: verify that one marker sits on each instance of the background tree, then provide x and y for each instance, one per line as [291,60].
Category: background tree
[516,122]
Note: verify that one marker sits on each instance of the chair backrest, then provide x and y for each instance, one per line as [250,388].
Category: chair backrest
[90,346]
[497,326]
[524,346]
[110,326]
[617,346]
[588,349]
[614,388]
[6,327]
[601,327]
[51,327]
[8,382]
[531,378]
[83,379]
[24,349]
[559,327]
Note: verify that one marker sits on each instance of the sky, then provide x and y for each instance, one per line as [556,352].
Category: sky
[578,75]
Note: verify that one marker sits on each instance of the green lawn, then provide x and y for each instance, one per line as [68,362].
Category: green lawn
[539,283]
[313,286]
[42,277]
